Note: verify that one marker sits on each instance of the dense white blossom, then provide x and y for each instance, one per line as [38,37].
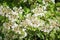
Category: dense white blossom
[30,20]
[13,16]
[39,11]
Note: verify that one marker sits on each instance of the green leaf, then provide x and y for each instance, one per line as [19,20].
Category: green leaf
[27,10]
[40,35]
[39,1]
[21,16]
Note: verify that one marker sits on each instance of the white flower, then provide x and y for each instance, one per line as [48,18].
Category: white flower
[14,13]
[44,7]
[15,8]
[40,14]
[25,0]
[18,31]
[47,30]
[7,15]
[51,26]
[7,25]
[53,1]
[12,18]
[20,10]
[43,2]
[28,16]
[38,9]
[14,25]
[53,22]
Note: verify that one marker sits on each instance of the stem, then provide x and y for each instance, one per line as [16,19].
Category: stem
[45,37]
[35,37]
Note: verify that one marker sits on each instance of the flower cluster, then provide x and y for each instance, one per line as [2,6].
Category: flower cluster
[32,21]
[39,11]
[13,16]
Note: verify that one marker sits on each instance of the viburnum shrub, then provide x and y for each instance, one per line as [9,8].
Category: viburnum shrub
[29,20]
